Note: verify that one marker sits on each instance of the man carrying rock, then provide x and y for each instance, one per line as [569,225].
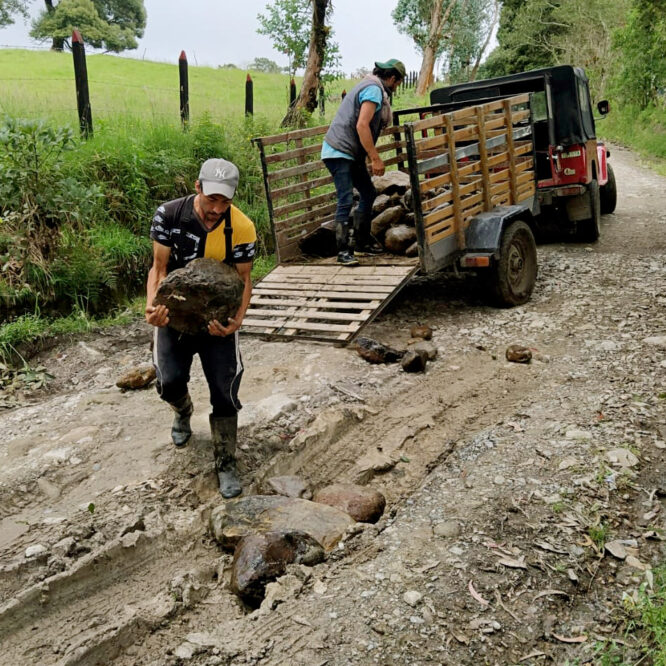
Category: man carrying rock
[351,137]
[205,224]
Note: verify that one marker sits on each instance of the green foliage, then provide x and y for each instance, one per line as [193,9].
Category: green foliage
[641,75]
[645,627]
[110,24]
[414,18]
[10,8]
[287,23]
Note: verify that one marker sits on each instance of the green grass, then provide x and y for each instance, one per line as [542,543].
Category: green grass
[38,84]
[644,639]
[643,131]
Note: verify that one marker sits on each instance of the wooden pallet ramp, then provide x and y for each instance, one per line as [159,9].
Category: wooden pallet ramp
[322,301]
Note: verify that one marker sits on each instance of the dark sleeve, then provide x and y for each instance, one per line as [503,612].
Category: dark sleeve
[243,252]
[162,226]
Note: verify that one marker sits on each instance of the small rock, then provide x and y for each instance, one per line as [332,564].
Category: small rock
[385,220]
[49,489]
[616,549]
[428,348]
[260,558]
[376,352]
[274,406]
[137,378]
[622,457]
[391,182]
[399,238]
[65,547]
[518,354]
[447,528]
[422,331]
[288,486]
[35,551]
[412,250]
[363,504]
[414,361]
[656,341]
[412,597]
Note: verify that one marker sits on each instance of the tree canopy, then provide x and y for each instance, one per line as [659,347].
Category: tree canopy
[113,25]
[10,8]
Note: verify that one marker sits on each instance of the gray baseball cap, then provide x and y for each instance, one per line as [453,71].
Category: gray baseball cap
[218,176]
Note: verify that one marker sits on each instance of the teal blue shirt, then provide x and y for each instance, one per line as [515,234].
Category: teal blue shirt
[369,94]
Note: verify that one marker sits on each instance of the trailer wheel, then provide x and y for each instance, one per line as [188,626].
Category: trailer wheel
[514,274]
[588,231]
[608,193]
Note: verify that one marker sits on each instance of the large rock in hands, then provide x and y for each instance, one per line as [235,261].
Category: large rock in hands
[204,290]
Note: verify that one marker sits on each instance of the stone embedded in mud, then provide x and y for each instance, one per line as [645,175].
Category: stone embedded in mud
[375,352]
[363,504]
[415,361]
[399,238]
[287,486]
[385,220]
[518,354]
[137,378]
[391,182]
[204,290]
[381,203]
[261,558]
[237,518]
[422,331]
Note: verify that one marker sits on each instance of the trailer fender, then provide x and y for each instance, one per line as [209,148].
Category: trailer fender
[484,233]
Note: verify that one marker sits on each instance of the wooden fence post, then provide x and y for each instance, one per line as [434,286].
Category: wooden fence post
[292,92]
[184,90]
[81,79]
[249,96]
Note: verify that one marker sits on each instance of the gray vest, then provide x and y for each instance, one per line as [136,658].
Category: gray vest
[342,134]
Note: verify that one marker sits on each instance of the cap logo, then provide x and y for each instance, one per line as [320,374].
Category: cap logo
[219,173]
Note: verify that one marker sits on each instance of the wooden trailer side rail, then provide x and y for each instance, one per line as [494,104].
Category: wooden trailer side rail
[467,162]
[299,189]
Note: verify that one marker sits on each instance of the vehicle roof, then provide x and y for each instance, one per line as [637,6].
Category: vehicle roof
[570,116]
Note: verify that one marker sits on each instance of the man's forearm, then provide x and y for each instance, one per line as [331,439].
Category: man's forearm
[365,136]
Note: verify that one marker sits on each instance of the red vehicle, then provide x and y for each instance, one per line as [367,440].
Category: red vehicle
[575,182]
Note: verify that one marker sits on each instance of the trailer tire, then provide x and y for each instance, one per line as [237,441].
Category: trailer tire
[588,231]
[513,275]
[608,193]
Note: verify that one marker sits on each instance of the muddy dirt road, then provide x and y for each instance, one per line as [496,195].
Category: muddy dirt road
[508,482]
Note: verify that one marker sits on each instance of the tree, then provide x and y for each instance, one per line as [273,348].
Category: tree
[113,25]
[265,65]
[641,75]
[9,8]
[306,102]
[475,23]
[287,23]
[427,23]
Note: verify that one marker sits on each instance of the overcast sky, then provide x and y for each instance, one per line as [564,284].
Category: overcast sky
[215,32]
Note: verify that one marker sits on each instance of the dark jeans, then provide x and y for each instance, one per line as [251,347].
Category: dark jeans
[221,361]
[347,175]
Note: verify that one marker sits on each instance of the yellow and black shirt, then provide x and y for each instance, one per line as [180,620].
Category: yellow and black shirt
[177,226]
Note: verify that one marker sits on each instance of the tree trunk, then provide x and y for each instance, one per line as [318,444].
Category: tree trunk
[491,30]
[437,21]
[58,43]
[306,102]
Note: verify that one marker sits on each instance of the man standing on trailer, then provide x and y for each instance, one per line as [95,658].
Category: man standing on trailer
[205,224]
[351,137]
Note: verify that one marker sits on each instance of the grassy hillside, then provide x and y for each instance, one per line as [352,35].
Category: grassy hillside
[33,83]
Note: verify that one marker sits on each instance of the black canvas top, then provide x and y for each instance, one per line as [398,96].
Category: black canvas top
[570,110]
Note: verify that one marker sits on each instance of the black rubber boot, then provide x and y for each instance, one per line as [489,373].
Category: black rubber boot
[366,243]
[344,237]
[181,430]
[224,430]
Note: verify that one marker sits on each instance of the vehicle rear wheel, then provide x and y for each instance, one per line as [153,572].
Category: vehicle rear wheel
[588,231]
[608,193]
[513,276]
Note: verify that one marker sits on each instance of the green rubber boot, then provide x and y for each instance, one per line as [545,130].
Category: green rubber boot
[224,431]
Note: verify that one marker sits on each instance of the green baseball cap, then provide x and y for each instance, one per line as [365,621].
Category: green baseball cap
[393,64]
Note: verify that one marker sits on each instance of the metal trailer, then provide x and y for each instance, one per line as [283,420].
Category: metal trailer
[473,191]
